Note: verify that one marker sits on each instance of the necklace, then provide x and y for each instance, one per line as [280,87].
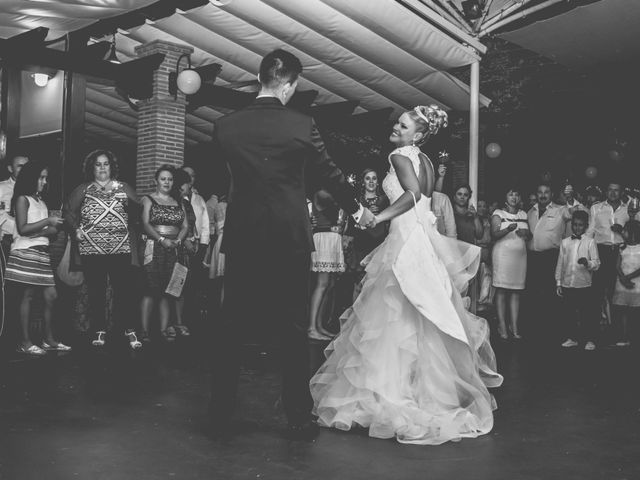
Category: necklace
[103,187]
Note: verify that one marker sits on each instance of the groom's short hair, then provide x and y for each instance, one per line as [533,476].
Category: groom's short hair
[279,67]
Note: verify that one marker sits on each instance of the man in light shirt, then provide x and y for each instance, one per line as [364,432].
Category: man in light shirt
[7,222]
[547,222]
[605,227]
[202,215]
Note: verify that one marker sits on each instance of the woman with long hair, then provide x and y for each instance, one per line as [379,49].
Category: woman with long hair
[29,264]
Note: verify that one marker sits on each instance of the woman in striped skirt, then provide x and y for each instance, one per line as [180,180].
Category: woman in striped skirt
[29,264]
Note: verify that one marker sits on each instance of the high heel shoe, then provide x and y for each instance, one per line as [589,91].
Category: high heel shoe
[134,343]
[99,340]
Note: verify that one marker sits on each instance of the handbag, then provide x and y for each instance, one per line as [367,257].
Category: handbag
[73,279]
[177,280]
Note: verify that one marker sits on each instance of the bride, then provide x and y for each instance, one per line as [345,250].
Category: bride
[410,361]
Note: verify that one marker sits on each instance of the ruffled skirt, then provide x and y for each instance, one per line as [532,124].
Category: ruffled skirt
[410,362]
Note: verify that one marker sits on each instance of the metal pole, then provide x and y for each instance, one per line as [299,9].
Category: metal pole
[474,124]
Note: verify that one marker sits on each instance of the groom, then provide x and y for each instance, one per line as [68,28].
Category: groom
[267,237]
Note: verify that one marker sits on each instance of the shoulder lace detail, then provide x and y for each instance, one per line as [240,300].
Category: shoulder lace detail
[412,153]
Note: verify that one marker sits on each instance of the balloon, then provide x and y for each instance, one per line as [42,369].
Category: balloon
[591,172]
[493,150]
[615,155]
[189,81]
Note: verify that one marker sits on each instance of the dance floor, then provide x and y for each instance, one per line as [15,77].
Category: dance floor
[562,415]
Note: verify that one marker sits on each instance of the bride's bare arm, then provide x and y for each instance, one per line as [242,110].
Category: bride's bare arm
[409,182]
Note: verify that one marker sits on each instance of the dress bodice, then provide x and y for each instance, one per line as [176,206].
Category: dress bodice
[391,184]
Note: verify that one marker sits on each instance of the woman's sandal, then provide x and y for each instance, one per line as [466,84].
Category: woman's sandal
[182,330]
[134,343]
[169,334]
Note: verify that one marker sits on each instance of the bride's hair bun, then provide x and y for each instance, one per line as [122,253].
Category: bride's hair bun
[432,117]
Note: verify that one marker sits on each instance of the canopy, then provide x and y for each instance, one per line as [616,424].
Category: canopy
[379,53]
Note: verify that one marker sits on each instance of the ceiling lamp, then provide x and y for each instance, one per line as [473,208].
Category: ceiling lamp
[472,9]
[40,79]
[188,80]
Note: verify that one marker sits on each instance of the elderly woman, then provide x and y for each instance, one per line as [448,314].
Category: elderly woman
[166,226]
[98,214]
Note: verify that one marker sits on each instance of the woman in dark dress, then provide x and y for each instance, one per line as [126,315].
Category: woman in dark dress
[364,241]
[165,224]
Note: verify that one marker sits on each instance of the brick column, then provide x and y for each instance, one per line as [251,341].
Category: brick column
[162,118]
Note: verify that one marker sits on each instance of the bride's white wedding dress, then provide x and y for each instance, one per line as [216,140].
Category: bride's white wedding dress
[410,360]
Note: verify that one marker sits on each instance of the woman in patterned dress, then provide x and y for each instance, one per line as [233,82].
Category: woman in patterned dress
[99,214]
[165,224]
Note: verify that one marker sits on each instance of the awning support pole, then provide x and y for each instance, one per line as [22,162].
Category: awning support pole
[474,127]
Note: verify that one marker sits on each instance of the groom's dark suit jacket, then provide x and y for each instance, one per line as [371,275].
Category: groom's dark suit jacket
[267,147]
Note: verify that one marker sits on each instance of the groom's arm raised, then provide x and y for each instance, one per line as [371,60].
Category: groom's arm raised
[335,180]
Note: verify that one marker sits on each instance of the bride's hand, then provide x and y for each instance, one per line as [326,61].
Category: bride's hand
[373,223]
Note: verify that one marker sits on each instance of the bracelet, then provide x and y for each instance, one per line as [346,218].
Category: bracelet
[160,239]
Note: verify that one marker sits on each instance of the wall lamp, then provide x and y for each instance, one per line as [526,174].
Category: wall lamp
[40,79]
[188,81]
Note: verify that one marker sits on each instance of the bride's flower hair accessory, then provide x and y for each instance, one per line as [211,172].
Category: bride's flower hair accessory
[433,116]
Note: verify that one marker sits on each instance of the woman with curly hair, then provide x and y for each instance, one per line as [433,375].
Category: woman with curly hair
[98,214]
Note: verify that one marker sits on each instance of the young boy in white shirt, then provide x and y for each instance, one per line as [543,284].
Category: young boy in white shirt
[577,260]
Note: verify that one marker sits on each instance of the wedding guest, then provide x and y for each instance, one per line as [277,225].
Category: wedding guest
[211,205]
[593,195]
[547,222]
[441,174]
[577,259]
[182,189]
[357,243]
[607,220]
[468,225]
[202,220]
[165,223]
[570,200]
[100,215]
[530,201]
[216,258]
[445,218]
[372,197]
[626,295]
[485,282]
[29,264]
[509,231]
[7,221]
[327,260]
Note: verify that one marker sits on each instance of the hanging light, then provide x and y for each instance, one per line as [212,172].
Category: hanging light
[113,58]
[40,79]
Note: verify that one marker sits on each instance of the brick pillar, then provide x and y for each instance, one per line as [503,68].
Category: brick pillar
[162,118]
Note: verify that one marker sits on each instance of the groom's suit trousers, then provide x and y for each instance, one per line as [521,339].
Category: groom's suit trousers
[266,295]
